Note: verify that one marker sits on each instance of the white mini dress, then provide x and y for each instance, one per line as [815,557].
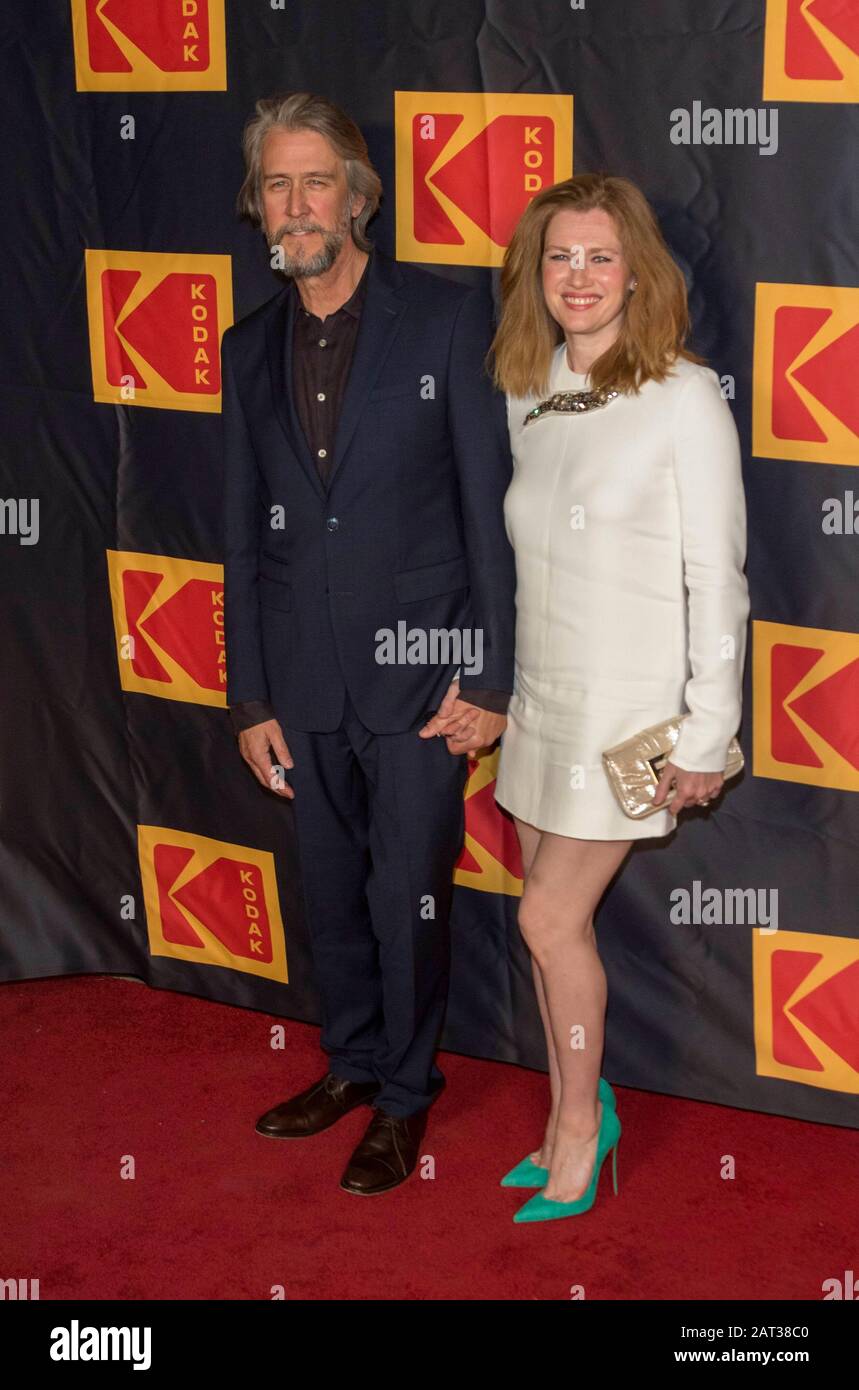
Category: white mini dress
[612,514]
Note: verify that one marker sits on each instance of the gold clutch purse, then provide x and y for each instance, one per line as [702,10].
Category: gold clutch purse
[634,766]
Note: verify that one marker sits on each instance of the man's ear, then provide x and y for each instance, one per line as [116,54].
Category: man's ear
[359,202]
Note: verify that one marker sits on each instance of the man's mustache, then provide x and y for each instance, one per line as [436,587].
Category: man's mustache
[302,227]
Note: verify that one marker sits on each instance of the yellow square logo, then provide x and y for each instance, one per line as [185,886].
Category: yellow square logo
[155,326]
[468,164]
[211,903]
[149,45]
[811,50]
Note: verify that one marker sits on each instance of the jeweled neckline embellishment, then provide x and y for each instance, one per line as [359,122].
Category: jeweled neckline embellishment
[572,402]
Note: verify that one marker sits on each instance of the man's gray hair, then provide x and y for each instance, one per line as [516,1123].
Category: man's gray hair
[304,111]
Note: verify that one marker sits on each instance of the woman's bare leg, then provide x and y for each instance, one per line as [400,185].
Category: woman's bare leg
[565,883]
[529,840]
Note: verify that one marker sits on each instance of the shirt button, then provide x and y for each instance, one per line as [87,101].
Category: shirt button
[320,395]
[322,453]
[332,523]
[322,342]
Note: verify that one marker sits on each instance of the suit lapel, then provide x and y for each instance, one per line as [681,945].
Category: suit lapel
[279,336]
[380,318]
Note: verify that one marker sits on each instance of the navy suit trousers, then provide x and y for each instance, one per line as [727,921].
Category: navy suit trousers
[380,823]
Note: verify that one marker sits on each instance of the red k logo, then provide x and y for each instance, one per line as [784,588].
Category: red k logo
[211,902]
[468,164]
[806,694]
[149,45]
[155,323]
[811,50]
[168,619]
[491,860]
[807,1009]
[806,403]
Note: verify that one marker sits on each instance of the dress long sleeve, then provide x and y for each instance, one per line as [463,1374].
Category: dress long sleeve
[708,472]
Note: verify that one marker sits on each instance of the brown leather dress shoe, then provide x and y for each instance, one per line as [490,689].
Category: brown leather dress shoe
[317,1108]
[386,1155]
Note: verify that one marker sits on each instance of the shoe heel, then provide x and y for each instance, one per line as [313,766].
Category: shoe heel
[614,1169]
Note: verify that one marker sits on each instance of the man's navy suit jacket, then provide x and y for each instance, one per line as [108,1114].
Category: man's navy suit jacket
[411,526]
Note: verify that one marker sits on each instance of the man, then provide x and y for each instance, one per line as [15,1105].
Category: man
[366,461]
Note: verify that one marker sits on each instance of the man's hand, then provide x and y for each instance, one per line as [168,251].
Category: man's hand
[479,728]
[443,714]
[256,745]
[465,727]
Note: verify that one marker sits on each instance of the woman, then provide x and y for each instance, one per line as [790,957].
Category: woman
[615,511]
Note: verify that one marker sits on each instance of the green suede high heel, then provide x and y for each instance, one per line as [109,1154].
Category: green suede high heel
[530,1174]
[540,1208]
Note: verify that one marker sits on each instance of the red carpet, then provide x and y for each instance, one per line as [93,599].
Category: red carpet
[98,1068]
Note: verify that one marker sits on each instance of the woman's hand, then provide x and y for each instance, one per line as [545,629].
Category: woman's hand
[477,728]
[464,727]
[693,788]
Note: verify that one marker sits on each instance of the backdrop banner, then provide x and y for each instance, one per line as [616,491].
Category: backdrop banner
[133,838]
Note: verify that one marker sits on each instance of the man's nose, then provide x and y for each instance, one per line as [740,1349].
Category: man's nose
[296,202]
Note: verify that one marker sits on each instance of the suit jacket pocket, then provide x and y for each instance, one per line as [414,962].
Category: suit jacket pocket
[429,580]
[393,392]
[277,560]
[275,593]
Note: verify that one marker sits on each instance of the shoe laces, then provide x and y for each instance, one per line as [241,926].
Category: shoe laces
[386,1121]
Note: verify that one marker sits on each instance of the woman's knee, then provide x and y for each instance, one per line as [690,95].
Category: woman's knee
[546,925]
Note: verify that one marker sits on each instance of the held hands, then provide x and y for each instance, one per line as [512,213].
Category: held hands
[465,727]
[256,745]
[693,788]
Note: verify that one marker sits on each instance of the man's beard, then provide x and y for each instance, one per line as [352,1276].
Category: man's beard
[332,242]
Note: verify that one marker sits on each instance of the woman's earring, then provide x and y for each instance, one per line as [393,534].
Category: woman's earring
[633,286]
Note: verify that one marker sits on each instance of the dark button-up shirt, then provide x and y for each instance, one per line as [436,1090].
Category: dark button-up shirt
[322,351]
